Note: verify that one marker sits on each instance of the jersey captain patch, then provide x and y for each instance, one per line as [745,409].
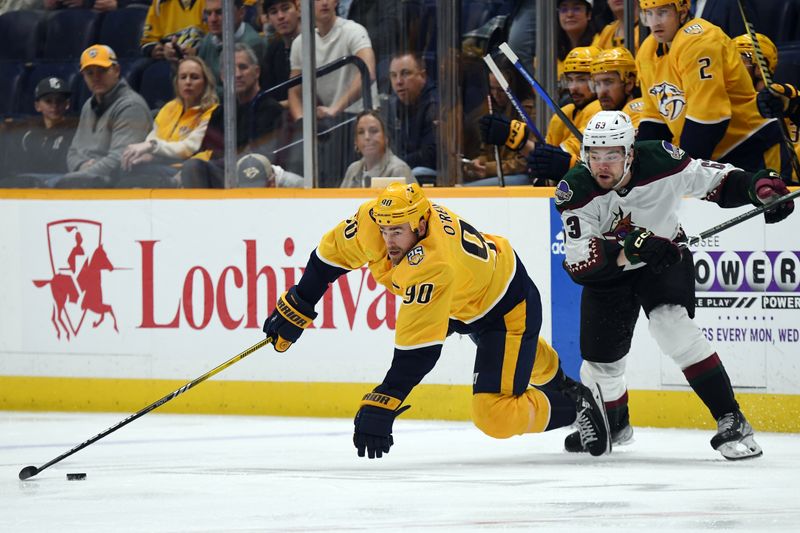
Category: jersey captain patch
[673,151]
[415,256]
[563,192]
[671,100]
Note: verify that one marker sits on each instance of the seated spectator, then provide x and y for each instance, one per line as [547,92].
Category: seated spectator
[412,114]
[114,117]
[613,34]
[38,150]
[178,130]
[575,28]
[210,47]
[284,18]
[172,28]
[377,158]
[482,170]
[266,118]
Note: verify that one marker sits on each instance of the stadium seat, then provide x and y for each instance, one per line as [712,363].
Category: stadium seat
[789,27]
[68,33]
[20,33]
[122,30]
[156,84]
[788,70]
[11,73]
[66,70]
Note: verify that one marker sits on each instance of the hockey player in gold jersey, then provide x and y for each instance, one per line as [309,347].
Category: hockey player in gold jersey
[451,278]
[697,93]
[614,82]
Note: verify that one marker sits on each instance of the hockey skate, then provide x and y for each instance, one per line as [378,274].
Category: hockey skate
[618,422]
[734,438]
[592,421]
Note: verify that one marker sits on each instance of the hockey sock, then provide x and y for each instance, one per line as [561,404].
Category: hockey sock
[562,409]
[711,383]
[618,415]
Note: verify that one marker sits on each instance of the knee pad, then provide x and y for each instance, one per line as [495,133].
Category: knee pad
[502,416]
[678,336]
[609,376]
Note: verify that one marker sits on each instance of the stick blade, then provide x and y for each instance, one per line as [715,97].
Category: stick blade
[28,471]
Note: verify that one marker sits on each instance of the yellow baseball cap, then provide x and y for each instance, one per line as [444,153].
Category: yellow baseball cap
[98,55]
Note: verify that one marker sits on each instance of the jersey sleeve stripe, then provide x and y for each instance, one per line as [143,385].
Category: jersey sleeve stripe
[418,346]
[328,261]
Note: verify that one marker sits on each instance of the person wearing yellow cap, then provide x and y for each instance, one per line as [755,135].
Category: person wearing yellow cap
[114,117]
[451,277]
[697,92]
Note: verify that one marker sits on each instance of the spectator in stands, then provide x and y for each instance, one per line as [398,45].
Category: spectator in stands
[613,34]
[482,170]
[18,5]
[614,82]
[338,93]
[726,15]
[36,150]
[522,31]
[266,118]
[178,130]
[698,93]
[575,28]
[377,158]
[172,28]
[284,18]
[412,114]
[382,20]
[210,46]
[114,117]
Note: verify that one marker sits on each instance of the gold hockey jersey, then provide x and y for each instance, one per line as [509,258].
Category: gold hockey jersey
[559,135]
[454,272]
[700,76]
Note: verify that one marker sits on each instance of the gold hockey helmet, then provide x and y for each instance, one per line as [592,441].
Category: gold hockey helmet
[580,58]
[744,44]
[618,60]
[400,203]
[649,4]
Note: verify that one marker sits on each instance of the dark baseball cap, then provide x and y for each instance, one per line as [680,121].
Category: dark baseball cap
[269,3]
[51,85]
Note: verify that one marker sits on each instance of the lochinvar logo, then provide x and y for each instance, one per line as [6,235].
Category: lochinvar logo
[77,260]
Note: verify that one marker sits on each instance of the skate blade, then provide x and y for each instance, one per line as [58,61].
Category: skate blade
[598,397]
[747,448]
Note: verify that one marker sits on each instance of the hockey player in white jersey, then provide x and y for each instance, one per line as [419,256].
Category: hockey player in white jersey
[623,244]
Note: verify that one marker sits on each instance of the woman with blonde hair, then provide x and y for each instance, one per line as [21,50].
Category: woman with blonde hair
[177,132]
[377,159]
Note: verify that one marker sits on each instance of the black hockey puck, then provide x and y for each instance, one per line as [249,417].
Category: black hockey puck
[76,477]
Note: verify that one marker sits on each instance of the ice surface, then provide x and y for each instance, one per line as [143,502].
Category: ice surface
[182,473]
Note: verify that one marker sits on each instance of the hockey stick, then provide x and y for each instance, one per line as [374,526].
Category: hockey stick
[30,471]
[766,75]
[509,53]
[741,218]
[497,160]
[517,105]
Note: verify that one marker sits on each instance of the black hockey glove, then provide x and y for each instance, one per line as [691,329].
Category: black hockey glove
[373,424]
[286,323]
[768,187]
[778,100]
[548,162]
[498,130]
[644,246]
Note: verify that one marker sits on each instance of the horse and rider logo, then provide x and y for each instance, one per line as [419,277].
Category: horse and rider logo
[77,260]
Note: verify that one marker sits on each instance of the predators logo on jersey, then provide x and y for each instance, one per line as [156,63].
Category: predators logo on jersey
[415,256]
[671,100]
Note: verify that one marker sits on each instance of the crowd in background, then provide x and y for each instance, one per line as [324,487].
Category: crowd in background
[151,115]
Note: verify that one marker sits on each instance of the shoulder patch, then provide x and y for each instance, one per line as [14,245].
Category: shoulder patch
[637,106]
[673,151]
[694,29]
[563,192]
[415,256]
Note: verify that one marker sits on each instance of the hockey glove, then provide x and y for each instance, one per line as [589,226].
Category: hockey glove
[778,100]
[498,130]
[373,424]
[644,246]
[768,187]
[548,162]
[286,323]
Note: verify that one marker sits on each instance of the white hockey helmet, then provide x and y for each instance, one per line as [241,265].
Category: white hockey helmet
[607,129]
